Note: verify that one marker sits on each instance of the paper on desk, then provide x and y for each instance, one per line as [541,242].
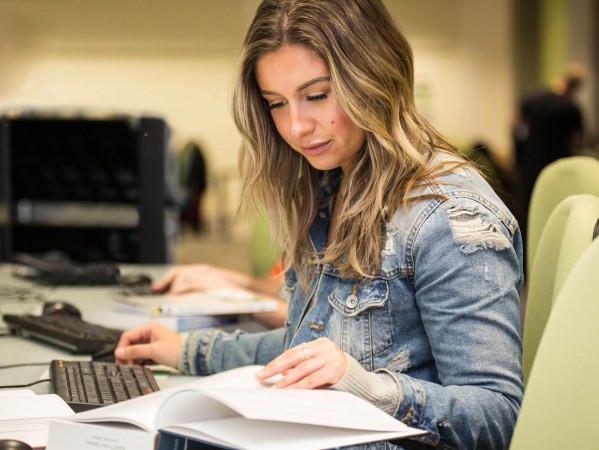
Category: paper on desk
[24,416]
[12,393]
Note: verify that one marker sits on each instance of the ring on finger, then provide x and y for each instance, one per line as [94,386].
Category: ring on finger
[305,350]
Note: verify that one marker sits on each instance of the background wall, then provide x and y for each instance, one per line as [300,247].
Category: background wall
[176,59]
[463,69]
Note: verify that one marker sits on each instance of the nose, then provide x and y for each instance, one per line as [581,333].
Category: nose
[300,122]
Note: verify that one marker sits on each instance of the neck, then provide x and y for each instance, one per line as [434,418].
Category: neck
[336,210]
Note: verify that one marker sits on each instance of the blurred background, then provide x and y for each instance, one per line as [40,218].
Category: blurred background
[475,60]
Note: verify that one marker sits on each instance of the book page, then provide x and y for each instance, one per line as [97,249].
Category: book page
[25,416]
[11,393]
[16,407]
[315,406]
[140,411]
[143,411]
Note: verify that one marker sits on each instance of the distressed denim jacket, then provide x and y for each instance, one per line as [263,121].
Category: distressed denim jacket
[442,316]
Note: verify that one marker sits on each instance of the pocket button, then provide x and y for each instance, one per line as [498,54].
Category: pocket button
[351,301]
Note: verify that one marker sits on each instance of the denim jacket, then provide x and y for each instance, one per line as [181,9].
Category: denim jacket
[442,316]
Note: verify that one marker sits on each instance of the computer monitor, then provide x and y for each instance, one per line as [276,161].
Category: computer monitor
[91,188]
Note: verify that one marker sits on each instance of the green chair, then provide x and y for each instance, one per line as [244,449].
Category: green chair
[560,179]
[569,231]
[559,409]
[263,251]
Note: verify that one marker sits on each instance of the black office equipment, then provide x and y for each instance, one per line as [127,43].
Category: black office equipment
[65,331]
[5,228]
[60,308]
[90,384]
[13,444]
[56,269]
[91,187]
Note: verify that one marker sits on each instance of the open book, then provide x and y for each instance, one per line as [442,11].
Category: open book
[231,410]
[25,416]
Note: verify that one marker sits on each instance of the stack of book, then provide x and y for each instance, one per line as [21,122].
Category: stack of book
[185,312]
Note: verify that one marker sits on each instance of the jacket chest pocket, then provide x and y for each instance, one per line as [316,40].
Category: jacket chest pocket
[360,322]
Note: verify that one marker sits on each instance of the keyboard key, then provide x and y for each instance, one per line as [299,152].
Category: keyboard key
[91,384]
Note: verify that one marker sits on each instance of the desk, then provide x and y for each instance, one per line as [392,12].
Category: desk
[89,299]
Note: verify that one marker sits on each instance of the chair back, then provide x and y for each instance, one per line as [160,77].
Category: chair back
[559,409]
[558,180]
[264,253]
[569,231]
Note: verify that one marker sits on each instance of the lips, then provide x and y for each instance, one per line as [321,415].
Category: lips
[315,149]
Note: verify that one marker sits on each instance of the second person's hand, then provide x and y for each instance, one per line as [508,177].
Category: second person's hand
[199,277]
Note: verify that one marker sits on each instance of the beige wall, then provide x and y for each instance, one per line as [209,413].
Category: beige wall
[173,59]
[176,59]
[463,59]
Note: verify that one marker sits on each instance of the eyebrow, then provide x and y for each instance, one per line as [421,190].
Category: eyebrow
[301,86]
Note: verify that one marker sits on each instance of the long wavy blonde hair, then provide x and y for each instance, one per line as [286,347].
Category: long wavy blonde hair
[372,78]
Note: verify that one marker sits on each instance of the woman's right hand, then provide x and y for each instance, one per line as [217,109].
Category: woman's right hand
[150,341]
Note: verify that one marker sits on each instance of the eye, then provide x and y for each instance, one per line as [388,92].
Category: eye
[316,98]
[276,105]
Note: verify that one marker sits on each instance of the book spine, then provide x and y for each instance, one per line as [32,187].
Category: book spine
[170,441]
[225,308]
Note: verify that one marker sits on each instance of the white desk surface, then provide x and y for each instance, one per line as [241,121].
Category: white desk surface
[89,299]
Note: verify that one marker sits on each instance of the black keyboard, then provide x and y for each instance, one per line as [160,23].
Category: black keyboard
[90,384]
[68,332]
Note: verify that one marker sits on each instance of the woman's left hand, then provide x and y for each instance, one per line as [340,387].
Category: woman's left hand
[311,365]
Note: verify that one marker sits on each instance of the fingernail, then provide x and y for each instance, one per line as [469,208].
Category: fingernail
[259,374]
[119,353]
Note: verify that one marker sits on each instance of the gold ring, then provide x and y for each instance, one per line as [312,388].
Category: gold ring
[305,350]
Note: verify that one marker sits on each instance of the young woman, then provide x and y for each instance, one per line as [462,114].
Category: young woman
[403,268]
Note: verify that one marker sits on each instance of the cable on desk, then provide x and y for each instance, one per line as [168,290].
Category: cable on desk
[14,386]
[11,366]
[13,294]
[22,294]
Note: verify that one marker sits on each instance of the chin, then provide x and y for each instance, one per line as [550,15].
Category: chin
[323,165]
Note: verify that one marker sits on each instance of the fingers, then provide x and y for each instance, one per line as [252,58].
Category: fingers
[150,341]
[288,360]
[196,277]
[133,335]
[132,353]
[180,280]
[316,364]
[163,284]
[123,352]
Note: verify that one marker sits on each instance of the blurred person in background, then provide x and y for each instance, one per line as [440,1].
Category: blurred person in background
[548,126]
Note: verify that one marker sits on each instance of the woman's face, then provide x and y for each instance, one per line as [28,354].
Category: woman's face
[297,86]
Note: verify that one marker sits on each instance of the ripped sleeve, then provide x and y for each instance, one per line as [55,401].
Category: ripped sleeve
[474,228]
